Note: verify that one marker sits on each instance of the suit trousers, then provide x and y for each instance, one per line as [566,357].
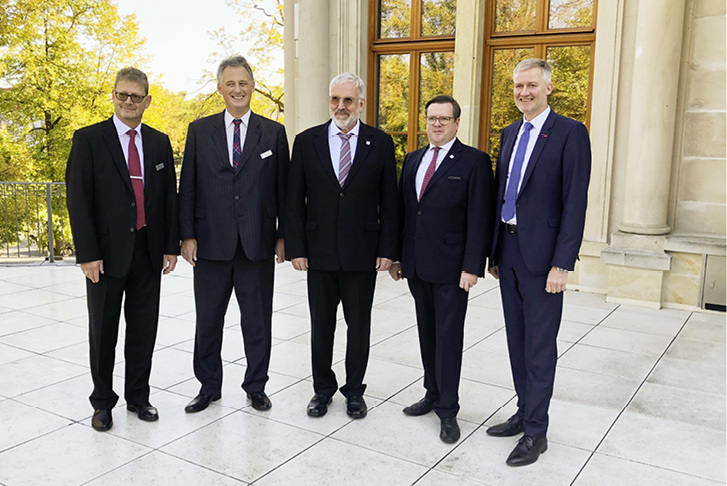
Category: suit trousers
[355,290]
[213,285]
[139,289]
[440,311]
[532,320]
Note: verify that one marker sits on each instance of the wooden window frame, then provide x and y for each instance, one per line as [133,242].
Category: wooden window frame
[414,46]
[539,40]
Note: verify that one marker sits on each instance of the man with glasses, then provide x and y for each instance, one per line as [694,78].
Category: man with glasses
[122,204]
[446,195]
[341,229]
[231,201]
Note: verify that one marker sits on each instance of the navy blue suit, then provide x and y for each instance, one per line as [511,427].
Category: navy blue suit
[236,217]
[550,211]
[445,233]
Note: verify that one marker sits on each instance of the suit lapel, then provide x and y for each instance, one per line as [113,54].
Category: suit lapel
[111,139]
[252,138]
[363,147]
[538,149]
[150,161]
[450,158]
[219,140]
[322,149]
[410,176]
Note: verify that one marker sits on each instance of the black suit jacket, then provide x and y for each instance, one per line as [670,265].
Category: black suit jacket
[342,228]
[551,204]
[219,205]
[101,202]
[449,231]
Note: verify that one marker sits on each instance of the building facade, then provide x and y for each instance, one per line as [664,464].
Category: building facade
[646,76]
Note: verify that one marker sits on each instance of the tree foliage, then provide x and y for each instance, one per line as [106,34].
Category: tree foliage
[58,59]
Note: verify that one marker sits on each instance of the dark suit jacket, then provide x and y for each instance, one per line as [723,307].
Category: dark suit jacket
[101,202]
[551,205]
[349,227]
[449,230]
[219,205]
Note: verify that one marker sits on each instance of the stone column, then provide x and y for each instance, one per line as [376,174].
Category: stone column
[313,54]
[658,47]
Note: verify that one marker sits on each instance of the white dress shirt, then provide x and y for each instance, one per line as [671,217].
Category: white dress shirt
[427,160]
[121,129]
[334,144]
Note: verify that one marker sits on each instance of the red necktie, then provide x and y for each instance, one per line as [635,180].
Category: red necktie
[430,172]
[137,181]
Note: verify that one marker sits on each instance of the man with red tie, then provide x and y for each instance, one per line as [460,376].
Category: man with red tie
[543,170]
[446,198]
[122,205]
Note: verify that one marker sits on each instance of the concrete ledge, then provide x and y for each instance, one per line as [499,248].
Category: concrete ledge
[630,257]
[704,245]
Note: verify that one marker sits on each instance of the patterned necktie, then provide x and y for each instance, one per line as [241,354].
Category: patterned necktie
[236,149]
[344,165]
[430,171]
[508,208]
[137,181]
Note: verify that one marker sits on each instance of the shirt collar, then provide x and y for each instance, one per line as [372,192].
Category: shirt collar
[122,128]
[245,118]
[333,129]
[539,120]
[445,148]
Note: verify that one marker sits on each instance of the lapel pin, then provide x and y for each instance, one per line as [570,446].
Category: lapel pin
[544,135]
[368,142]
[451,156]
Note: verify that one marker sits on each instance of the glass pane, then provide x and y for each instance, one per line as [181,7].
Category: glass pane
[571,67]
[394,19]
[568,14]
[393,92]
[400,149]
[438,17]
[435,78]
[514,15]
[504,111]
[422,140]
[494,149]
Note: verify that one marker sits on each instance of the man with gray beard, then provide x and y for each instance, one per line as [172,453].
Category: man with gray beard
[341,228]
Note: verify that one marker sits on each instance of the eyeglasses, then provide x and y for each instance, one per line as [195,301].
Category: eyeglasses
[125,96]
[443,120]
[347,101]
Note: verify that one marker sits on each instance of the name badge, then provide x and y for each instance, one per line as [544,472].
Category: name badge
[159,167]
[266,154]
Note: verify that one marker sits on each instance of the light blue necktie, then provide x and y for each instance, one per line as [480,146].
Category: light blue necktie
[508,208]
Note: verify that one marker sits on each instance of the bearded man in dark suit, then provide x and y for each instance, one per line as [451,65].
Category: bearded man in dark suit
[341,229]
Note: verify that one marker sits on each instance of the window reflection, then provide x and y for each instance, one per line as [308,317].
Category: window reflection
[438,17]
[568,14]
[436,77]
[393,99]
[394,19]
[571,66]
[515,15]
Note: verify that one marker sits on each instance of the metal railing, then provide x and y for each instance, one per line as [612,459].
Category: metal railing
[34,220]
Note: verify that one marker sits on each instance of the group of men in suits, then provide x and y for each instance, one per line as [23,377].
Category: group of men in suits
[333,209]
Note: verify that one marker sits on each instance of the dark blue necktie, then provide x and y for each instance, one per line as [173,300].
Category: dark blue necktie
[236,152]
[508,208]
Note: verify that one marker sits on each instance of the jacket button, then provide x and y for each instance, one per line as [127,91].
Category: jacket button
[340,194]
[133,204]
[419,212]
[237,197]
[131,229]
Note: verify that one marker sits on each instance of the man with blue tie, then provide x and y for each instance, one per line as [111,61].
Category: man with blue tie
[542,175]
[231,200]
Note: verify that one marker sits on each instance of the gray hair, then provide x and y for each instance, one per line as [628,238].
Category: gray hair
[545,68]
[349,78]
[234,61]
[134,75]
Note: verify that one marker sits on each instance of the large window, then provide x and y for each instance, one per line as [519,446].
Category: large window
[561,31]
[412,60]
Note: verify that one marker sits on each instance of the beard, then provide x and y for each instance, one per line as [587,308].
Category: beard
[343,123]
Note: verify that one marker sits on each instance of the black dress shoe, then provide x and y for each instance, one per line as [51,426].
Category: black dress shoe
[356,407]
[144,411]
[260,401]
[200,402]
[422,407]
[318,405]
[101,420]
[449,432]
[527,451]
[513,426]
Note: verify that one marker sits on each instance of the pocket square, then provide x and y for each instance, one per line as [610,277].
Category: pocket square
[266,154]
[159,167]
[454,178]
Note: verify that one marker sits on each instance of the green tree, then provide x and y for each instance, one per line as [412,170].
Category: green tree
[58,59]
[261,36]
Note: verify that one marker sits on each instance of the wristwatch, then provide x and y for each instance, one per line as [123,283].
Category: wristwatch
[561,270]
